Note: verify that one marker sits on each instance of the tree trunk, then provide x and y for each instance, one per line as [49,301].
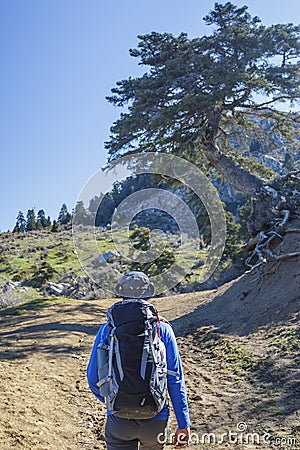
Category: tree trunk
[268,200]
[242,180]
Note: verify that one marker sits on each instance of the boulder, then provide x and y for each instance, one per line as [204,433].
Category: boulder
[57,288]
[9,286]
[109,257]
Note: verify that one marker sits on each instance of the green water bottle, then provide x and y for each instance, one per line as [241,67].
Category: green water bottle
[102,356]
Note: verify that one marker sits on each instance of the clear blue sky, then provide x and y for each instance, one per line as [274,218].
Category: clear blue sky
[59,59]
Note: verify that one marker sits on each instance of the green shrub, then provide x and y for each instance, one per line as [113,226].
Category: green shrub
[45,272]
[141,241]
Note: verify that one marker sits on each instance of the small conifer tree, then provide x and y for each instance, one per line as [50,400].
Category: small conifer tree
[31,220]
[64,216]
[20,223]
[41,218]
[55,226]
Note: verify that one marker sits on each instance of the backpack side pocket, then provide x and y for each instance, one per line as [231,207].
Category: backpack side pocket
[104,383]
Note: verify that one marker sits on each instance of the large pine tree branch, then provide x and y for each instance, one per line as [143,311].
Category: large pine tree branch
[274,100]
[242,180]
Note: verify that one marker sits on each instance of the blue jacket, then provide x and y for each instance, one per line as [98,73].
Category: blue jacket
[176,385]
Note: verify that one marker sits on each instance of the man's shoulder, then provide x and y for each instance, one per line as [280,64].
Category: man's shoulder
[164,322]
[103,331]
[166,328]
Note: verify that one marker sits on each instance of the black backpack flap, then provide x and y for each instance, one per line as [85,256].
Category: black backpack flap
[130,311]
[133,330]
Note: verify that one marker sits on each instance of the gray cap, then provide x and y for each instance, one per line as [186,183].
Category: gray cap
[135,285]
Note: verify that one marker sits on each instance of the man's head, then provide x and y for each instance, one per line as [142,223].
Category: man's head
[134,285]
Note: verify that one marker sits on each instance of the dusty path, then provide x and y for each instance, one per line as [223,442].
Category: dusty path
[45,400]
[46,404]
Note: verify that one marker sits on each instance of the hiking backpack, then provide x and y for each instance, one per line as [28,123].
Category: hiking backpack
[133,379]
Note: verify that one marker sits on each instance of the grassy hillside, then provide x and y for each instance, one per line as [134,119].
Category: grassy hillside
[37,257]
[23,255]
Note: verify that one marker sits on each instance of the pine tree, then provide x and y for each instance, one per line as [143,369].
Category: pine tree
[20,223]
[94,203]
[64,216]
[31,220]
[41,219]
[105,212]
[80,214]
[199,93]
[55,226]
[39,225]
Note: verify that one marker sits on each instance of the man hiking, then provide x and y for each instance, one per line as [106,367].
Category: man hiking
[134,362]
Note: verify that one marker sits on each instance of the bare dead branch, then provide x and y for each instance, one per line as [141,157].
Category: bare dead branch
[275,99]
[286,215]
[263,239]
[284,255]
[292,230]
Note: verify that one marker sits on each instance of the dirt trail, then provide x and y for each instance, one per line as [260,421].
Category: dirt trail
[45,399]
[233,379]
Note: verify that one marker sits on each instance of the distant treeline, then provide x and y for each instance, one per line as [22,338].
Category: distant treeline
[39,221]
[101,207]
[92,215]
